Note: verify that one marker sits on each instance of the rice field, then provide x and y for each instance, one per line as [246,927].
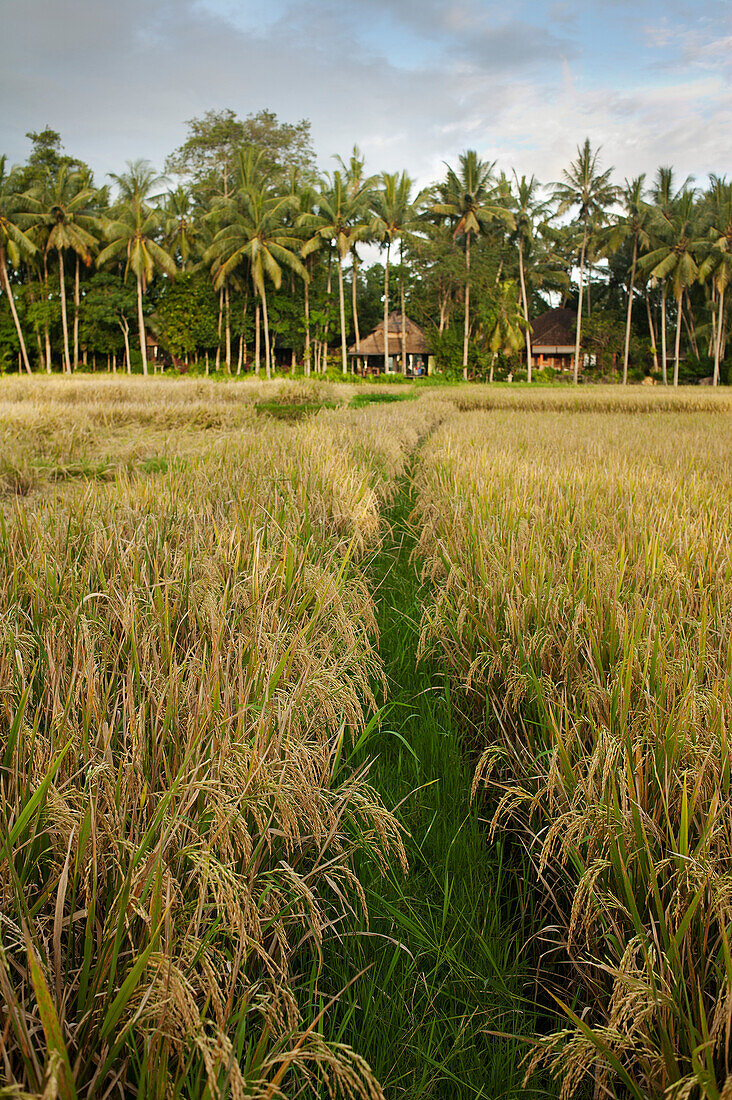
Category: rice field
[364,747]
[582,569]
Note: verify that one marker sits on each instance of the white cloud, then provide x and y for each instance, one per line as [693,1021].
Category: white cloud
[412,81]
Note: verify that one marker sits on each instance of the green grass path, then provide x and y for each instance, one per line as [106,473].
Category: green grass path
[442,945]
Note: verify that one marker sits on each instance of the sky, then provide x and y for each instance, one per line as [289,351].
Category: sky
[413,82]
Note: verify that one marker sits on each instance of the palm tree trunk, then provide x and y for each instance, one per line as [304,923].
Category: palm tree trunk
[712,341]
[124,325]
[242,341]
[46,333]
[267,357]
[11,301]
[718,342]
[626,350]
[141,324]
[354,303]
[401,302]
[578,337]
[467,307]
[64,318]
[524,299]
[679,307]
[690,322]
[651,330]
[443,313]
[218,329]
[228,329]
[724,337]
[663,334]
[307,328]
[326,324]
[342,305]
[386,309]
[257,336]
[77,298]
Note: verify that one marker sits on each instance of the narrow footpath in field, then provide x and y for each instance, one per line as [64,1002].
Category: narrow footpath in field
[443,942]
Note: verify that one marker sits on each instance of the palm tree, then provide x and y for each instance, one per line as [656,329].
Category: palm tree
[717,264]
[180,224]
[304,197]
[255,233]
[509,325]
[396,218]
[674,260]
[632,225]
[359,191]
[14,242]
[665,195]
[132,234]
[339,219]
[92,210]
[62,213]
[528,209]
[585,187]
[466,200]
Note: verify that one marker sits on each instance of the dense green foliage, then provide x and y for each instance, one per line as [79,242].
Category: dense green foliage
[244,258]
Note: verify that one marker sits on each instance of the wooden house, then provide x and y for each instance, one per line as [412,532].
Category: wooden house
[552,339]
[158,356]
[369,357]
[154,350]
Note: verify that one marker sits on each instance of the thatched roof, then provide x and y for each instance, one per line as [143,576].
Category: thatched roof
[554,329]
[373,344]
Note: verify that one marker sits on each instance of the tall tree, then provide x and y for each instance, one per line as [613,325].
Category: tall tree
[529,208]
[673,260]
[133,233]
[180,224]
[717,264]
[359,189]
[340,219]
[467,199]
[631,226]
[396,218]
[47,158]
[665,195]
[255,233]
[15,243]
[588,189]
[208,156]
[304,201]
[63,214]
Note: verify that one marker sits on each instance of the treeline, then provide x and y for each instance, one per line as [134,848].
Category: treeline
[242,257]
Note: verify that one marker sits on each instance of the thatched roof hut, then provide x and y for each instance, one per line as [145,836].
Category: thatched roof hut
[552,338]
[554,329]
[373,344]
